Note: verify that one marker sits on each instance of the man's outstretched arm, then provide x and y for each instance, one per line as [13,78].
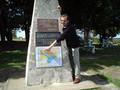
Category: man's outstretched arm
[51,45]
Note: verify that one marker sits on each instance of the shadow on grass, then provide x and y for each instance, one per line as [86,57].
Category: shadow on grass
[13,45]
[11,73]
[12,61]
[104,57]
[99,63]
[97,79]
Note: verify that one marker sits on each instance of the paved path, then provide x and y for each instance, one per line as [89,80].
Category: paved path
[88,81]
[19,84]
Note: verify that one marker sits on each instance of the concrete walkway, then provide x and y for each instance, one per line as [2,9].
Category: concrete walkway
[19,84]
[88,82]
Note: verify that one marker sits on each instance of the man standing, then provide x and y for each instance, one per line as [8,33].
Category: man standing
[73,44]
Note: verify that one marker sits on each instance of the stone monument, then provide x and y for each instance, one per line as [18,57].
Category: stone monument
[44,29]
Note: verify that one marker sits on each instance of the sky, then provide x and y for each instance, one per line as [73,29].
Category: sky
[117,36]
[20,33]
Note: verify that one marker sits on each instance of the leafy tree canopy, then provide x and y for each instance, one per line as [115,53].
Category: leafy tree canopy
[15,14]
[100,15]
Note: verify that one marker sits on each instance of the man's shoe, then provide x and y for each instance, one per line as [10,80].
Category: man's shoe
[77,80]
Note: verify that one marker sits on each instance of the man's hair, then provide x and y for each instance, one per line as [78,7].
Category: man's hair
[65,15]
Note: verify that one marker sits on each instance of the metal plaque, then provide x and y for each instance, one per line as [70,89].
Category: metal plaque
[46,38]
[47,25]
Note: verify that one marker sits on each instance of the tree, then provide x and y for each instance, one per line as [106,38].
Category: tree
[17,14]
[103,16]
[100,15]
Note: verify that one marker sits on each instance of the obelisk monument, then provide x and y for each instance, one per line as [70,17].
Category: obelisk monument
[45,22]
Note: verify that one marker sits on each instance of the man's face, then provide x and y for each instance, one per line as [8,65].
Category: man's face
[64,20]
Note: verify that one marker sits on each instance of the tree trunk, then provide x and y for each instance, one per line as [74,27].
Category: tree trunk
[86,33]
[27,35]
[2,35]
[9,35]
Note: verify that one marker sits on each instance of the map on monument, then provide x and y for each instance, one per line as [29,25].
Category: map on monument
[50,58]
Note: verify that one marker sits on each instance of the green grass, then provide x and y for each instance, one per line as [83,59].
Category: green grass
[13,59]
[113,80]
[115,50]
[96,41]
[96,64]
[92,89]
[114,41]
[105,57]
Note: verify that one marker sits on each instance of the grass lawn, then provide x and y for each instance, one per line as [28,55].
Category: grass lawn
[12,62]
[106,63]
[93,89]
[13,59]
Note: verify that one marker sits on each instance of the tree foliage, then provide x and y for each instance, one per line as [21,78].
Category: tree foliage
[103,16]
[16,14]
